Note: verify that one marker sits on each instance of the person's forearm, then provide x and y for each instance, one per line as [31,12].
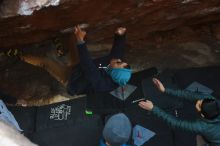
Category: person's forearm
[90,70]
[86,61]
[118,47]
[175,122]
[188,95]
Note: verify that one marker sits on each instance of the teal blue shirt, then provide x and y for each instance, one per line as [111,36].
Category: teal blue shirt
[188,95]
[210,129]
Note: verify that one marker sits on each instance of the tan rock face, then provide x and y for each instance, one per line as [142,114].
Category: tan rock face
[24,22]
[161,33]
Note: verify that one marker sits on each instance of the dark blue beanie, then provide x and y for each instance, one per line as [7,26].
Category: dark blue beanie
[210,108]
[120,75]
[117,130]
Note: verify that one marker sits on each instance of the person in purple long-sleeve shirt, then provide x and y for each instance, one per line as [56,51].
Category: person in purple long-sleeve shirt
[102,74]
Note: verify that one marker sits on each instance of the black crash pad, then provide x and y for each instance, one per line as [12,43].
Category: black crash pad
[26,117]
[41,124]
[83,130]
[71,128]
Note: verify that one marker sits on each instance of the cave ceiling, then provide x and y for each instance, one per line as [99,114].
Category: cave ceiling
[25,22]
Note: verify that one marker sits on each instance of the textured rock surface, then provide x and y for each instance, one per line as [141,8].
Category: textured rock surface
[20,26]
[161,33]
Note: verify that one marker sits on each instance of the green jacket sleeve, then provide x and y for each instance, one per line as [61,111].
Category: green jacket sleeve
[188,95]
[192,126]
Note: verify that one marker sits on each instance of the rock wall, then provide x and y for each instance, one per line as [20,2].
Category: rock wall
[161,33]
[24,22]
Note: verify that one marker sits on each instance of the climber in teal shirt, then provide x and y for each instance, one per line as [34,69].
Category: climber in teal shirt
[208,125]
